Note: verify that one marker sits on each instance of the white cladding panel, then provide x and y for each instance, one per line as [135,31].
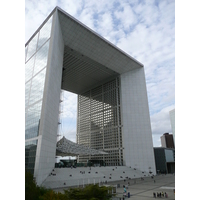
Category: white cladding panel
[136,132]
[45,157]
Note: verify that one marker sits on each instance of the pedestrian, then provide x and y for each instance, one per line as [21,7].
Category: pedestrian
[124,190]
[157,194]
[162,194]
[154,195]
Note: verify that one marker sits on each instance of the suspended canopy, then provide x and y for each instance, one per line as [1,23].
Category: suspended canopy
[66,147]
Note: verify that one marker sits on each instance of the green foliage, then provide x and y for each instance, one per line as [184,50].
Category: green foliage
[90,192]
[32,191]
[51,195]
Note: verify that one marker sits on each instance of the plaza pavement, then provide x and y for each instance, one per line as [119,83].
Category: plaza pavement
[144,189]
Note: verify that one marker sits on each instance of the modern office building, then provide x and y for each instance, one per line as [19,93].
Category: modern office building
[165,159]
[113,113]
[167,140]
[172,120]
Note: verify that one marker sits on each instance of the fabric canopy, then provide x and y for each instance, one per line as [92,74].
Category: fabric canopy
[66,147]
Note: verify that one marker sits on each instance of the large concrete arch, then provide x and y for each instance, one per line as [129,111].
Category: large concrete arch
[79,60]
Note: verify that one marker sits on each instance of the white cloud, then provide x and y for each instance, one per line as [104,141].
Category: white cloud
[36,12]
[126,16]
[69,105]
[152,43]
[105,25]
[86,17]
[68,116]
[71,7]
[99,6]
[160,121]
[156,140]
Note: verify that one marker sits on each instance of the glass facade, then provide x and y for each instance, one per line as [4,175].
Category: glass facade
[99,123]
[36,54]
[169,155]
[165,160]
[30,153]
[160,160]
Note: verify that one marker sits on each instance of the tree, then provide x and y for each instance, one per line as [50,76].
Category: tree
[32,191]
[90,192]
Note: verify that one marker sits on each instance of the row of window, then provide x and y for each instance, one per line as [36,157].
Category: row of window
[38,40]
[97,115]
[35,72]
[107,89]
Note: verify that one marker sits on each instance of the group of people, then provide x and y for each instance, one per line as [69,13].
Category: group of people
[160,195]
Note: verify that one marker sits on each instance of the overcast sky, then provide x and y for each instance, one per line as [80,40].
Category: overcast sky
[143,29]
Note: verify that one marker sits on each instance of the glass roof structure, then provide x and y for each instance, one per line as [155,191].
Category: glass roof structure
[66,147]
